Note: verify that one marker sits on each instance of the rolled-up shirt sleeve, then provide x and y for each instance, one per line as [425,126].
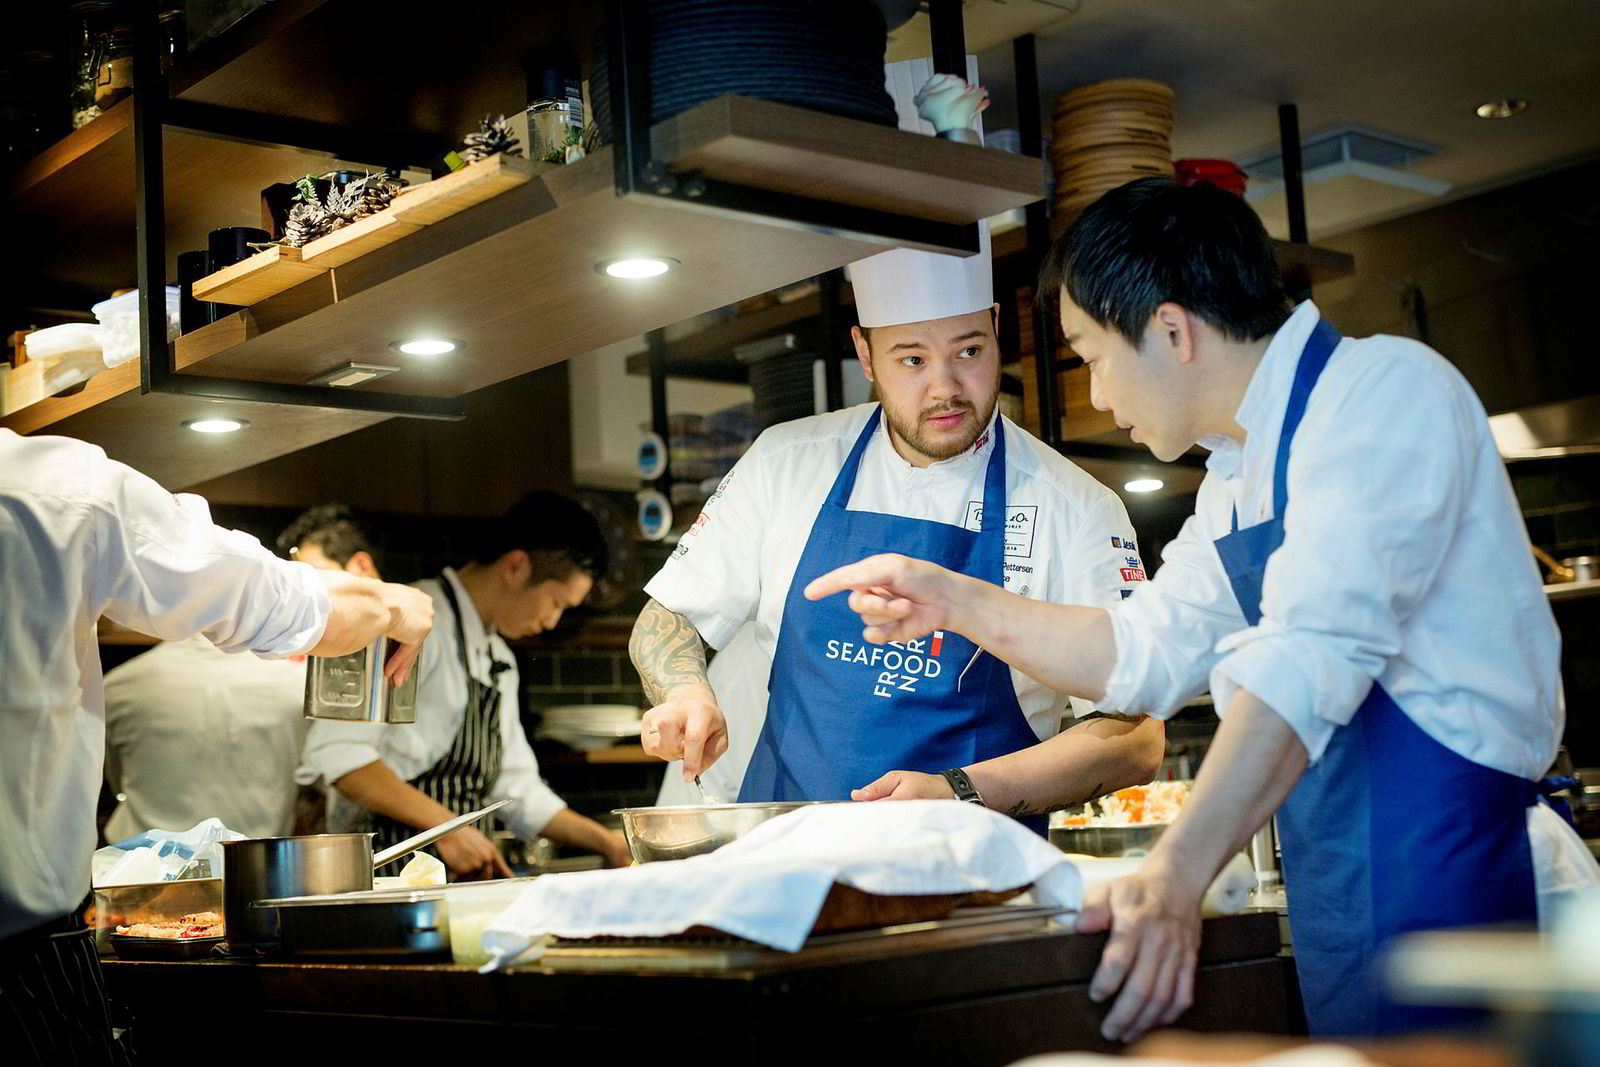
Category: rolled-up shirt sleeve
[334,749]
[1376,485]
[1167,630]
[162,567]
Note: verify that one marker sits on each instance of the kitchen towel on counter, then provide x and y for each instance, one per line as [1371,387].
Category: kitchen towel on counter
[1229,893]
[769,886]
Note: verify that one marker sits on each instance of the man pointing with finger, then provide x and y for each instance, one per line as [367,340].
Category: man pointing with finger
[1355,586]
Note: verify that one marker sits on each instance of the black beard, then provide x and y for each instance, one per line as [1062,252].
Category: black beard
[910,430]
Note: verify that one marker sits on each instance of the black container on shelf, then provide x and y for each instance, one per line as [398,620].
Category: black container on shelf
[227,246]
[826,55]
[192,313]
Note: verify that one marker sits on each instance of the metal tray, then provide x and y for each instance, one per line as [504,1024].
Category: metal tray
[409,924]
[132,947]
[1112,841]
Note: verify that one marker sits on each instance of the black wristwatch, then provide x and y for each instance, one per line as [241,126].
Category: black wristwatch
[962,786]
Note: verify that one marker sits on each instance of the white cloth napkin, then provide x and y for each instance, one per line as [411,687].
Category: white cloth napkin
[769,886]
[1229,893]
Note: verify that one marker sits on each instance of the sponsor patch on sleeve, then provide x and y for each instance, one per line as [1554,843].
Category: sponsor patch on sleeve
[1133,574]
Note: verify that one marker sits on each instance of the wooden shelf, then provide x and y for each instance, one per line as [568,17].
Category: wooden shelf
[514,277]
[708,355]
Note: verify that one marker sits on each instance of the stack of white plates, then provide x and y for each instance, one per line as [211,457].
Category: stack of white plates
[589,726]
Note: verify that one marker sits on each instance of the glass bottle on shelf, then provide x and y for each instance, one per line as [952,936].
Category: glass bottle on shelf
[91,19]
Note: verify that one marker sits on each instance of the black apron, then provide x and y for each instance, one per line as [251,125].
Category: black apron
[53,1007]
[462,777]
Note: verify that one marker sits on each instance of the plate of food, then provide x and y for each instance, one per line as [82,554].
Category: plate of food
[182,938]
[1124,823]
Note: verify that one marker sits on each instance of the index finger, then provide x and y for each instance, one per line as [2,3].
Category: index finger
[500,866]
[872,571]
[694,742]
[398,669]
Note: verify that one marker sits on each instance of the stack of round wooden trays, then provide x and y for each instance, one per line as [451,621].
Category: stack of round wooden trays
[1108,134]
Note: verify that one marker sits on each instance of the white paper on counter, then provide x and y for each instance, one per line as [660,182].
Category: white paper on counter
[769,886]
[161,855]
[1229,893]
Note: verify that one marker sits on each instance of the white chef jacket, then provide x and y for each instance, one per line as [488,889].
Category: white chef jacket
[193,732]
[1068,538]
[334,749]
[1405,560]
[80,537]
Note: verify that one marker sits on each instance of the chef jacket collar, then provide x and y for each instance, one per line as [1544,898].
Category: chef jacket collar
[978,452]
[1260,411]
[472,627]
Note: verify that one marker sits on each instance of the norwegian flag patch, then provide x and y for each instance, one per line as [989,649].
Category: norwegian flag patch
[938,642]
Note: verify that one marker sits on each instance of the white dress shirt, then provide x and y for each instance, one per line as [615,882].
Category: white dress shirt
[193,732]
[1405,560]
[1068,538]
[81,537]
[334,749]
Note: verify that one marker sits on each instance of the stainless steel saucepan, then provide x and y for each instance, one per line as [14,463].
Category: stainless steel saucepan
[264,868]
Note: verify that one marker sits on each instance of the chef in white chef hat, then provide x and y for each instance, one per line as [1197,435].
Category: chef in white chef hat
[932,470]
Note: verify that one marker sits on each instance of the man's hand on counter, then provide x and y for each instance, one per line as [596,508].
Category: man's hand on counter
[689,726]
[906,785]
[471,856]
[1154,919]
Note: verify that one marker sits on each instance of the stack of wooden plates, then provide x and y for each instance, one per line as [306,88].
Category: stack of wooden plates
[1108,134]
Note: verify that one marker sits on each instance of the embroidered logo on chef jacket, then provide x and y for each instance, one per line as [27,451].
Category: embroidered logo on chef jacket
[1132,574]
[686,541]
[1020,522]
[899,665]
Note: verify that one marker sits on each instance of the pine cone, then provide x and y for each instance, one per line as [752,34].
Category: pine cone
[379,193]
[494,137]
[307,221]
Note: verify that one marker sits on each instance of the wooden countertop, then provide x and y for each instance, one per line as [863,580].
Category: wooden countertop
[994,1001]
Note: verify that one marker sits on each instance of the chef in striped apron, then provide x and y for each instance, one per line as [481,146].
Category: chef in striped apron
[467,747]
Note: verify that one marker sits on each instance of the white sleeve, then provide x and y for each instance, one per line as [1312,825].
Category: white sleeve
[162,567]
[1167,630]
[333,749]
[533,802]
[1376,490]
[1102,565]
[713,578]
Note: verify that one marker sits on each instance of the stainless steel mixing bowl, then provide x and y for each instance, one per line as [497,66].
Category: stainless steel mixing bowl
[680,831]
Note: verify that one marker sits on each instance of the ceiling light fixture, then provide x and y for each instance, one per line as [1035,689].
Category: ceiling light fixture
[634,267]
[1144,485]
[216,425]
[426,346]
[1503,108]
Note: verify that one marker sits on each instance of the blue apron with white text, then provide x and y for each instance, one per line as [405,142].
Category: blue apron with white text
[1389,832]
[842,712]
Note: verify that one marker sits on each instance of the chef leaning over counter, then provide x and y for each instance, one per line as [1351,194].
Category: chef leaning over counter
[1355,584]
[467,747]
[81,537]
[933,470]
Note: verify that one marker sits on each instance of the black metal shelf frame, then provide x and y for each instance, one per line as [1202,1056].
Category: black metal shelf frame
[152,112]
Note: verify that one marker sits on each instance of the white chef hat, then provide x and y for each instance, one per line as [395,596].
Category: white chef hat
[903,285]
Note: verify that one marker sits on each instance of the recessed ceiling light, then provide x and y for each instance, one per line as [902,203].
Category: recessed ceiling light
[636,266]
[1144,485]
[425,346]
[1503,108]
[216,425]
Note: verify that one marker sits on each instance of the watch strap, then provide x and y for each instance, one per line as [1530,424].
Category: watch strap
[962,786]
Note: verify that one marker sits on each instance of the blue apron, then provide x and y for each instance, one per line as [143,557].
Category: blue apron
[1390,831]
[842,712]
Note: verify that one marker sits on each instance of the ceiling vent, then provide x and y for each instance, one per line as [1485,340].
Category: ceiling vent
[1352,175]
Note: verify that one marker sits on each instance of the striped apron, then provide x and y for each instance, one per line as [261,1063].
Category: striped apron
[462,777]
[53,1007]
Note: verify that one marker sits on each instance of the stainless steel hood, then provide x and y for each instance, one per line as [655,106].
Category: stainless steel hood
[1565,428]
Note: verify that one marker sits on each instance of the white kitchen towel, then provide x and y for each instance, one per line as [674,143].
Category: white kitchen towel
[1229,893]
[769,886]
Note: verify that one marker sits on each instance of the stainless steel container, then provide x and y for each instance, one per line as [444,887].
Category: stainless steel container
[1109,841]
[124,905]
[261,868]
[1583,568]
[680,831]
[352,688]
[411,923]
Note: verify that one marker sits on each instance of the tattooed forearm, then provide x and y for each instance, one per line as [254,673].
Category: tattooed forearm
[667,651]
[1023,807]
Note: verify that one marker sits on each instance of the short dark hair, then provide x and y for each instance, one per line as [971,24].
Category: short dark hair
[559,535]
[1152,241]
[332,528]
